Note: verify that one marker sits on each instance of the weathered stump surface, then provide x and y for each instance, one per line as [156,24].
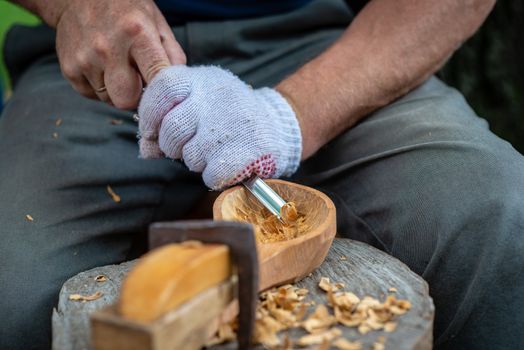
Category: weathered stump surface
[366,271]
[71,329]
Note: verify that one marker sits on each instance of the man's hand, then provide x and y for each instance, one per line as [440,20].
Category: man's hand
[218,125]
[107,48]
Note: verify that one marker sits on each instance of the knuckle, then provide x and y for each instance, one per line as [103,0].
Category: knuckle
[100,46]
[83,61]
[133,24]
[69,71]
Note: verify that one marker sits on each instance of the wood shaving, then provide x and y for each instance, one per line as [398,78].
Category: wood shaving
[318,338]
[29,217]
[343,258]
[225,333]
[380,344]
[390,327]
[367,314]
[344,344]
[113,195]
[55,135]
[278,309]
[84,298]
[325,345]
[100,278]
[268,228]
[319,321]
[287,343]
[58,122]
[343,300]
[284,308]
[289,213]
[392,290]
[266,329]
[327,286]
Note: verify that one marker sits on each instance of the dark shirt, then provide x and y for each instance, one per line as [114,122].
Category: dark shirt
[180,11]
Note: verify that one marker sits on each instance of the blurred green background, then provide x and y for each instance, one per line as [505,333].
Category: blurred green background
[10,14]
[488,69]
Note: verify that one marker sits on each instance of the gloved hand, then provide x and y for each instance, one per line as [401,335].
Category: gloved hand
[218,125]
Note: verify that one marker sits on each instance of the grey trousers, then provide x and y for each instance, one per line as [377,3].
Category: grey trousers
[422,179]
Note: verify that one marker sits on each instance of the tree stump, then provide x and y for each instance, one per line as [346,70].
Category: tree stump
[363,269]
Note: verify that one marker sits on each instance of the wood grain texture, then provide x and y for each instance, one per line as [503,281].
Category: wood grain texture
[170,275]
[186,327]
[366,271]
[300,255]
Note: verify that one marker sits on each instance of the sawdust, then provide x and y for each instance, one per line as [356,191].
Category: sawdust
[268,228]
[29,217]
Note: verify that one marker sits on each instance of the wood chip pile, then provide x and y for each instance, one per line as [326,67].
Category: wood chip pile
[284,308]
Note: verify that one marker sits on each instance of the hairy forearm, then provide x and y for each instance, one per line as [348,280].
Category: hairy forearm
[389,48]
[48,10]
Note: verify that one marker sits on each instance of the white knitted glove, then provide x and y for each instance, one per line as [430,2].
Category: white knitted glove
[218,125]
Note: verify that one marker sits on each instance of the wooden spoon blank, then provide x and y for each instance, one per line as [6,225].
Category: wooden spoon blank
[292,260]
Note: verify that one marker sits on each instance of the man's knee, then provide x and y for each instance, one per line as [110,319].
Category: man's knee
[474,272]
[444,181]
[477,204]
